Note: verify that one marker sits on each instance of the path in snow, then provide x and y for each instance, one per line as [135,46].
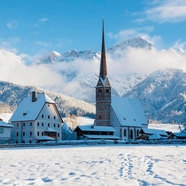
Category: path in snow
[96,165]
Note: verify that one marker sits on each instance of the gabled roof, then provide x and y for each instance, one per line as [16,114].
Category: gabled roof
[155,136]
[4,124]
[153,131]
[28,110]
[128,111]
[96,128]
[48,129]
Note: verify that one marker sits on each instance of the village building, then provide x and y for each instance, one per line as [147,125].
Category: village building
[36,119]
[123,117]
[152,134]
[95,132]
[5,132]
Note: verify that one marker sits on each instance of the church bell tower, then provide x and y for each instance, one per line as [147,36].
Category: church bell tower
[103,90]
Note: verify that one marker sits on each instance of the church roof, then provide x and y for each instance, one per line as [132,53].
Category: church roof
[129,111]
[28,110]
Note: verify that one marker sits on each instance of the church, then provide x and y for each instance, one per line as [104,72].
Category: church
[124,116]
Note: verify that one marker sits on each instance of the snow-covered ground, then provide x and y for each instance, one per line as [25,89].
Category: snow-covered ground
[127,165]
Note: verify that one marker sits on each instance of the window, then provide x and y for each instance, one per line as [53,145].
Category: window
[99,90]
[54,117]
[48,124]
[54,125]
[125,132]
[37,133]
[1,130]
[48,116]
[58,125]
[23,133]
[42,133]
[17,133]
[42,116]
[42,124]
[38,124]
[17,124]
[30,141]
[30,124]
[30,133]
[107,90]
[23,124]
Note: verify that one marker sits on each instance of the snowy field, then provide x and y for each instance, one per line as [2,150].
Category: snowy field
[127,165]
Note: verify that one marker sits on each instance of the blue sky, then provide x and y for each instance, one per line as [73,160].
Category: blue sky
[37,26]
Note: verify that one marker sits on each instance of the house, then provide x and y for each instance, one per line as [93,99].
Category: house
[5,132]
[146,133]
[95,132]
[178,135]
[36,119]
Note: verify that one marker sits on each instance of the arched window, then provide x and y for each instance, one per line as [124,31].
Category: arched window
[131,134]
[125,132]
[137,132]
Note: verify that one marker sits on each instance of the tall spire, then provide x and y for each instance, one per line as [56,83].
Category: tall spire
[103,64]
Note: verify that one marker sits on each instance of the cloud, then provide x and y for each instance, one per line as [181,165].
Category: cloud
[12,25]
[64,77]
[43,20]
[132,32]
[165,11]
[10,44]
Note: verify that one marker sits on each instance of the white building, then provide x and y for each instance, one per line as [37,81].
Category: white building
[5,132]
[36,119]
[127,117]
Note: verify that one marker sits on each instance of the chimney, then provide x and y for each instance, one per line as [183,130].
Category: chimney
[34,96]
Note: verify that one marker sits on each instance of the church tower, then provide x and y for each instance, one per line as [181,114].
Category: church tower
[103,90]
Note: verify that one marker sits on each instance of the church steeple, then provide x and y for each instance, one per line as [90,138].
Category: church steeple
[103,89]
[103,64]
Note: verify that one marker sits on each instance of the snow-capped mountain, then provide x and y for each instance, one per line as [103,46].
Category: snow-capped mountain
[163,95]
[53,56]
[68,56]
[136,42]
[13,94]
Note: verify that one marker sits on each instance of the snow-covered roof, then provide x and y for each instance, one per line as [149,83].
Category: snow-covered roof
[155,136]
[97,128]
[28,110]
[45,138]
[65,127]
[4,124]
[129,111]
[153,131]
[101,136]
[48,129]
[180,134]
